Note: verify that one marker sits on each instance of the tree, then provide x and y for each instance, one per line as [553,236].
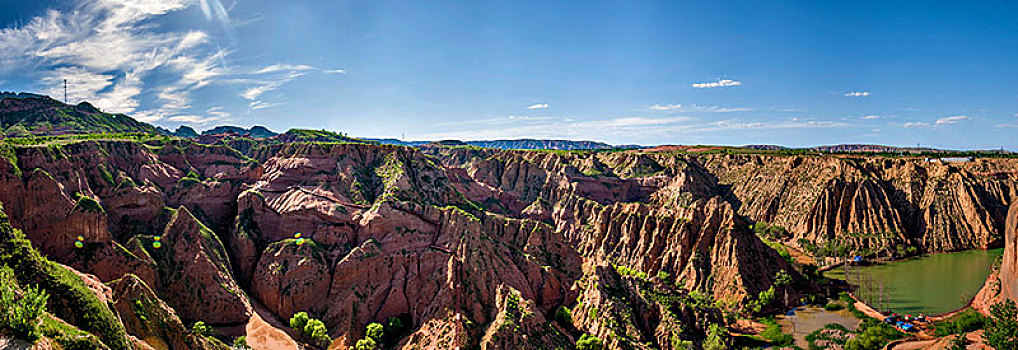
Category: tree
[315,329]
[20,316]
[299,320]
[311,328]
[200,328]
[1002,331]
[365,344]
[589,342]
[716,338]
[375,331]
[241,343]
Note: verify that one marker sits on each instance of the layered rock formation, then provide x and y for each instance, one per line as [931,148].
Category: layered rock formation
[473,247]
[1009,266]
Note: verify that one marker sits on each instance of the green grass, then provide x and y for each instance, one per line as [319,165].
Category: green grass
[964,322]
[773,333]
[70,299]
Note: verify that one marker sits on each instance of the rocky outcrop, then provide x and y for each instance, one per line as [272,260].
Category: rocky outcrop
[873,202]
[1002,283]
[195,273]
[150,319]
[1009,266]
[630,313]
[292,276]
[519,323]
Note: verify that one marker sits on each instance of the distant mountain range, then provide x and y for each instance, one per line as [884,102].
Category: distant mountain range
[256,131]
[864,148]
[566,145]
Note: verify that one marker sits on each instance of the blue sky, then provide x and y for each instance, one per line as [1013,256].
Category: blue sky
[793,73]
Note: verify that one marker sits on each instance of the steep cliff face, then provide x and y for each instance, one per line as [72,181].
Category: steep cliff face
[1009,267]
[875,205]
[874,202]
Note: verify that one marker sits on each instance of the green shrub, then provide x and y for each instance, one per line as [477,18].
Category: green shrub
[967,321]
[773,333]
[563,315]
[315,329]
[763,300]
[375,331]
[589,342]
[241,343]
[200,328]
[874,335]
[834,306]
[663,276]
[1002,330]
[20,315]
[366,344]
[72,300]
[716,338]
[311,328]
[299,320]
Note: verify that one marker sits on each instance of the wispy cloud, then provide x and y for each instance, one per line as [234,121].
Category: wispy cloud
[795,123]
[717,109]
[256,105]
[941,122]
[870,117]
[666,107]
[857,94]
[538,106]
[719,83]
[117,55]
[557,127]
[951,120]
[620,128]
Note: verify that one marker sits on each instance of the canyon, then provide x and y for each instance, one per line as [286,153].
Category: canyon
[442,236]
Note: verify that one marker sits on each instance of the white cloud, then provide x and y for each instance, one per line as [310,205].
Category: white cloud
[870,117]
[951,120]
[719,83]
[795,123]
[116,54]
[621,128]
[857,94]
[717,109]
[262,104]
[538,106]
[105,49]
[941,122]
[284,68]
[218,112]
[558,128]
[666,107]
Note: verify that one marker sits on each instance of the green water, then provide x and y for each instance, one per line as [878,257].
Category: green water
[932,284]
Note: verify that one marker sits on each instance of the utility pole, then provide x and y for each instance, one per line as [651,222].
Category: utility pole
[65,91]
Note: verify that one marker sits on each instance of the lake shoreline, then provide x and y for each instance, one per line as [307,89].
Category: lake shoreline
[938,285]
